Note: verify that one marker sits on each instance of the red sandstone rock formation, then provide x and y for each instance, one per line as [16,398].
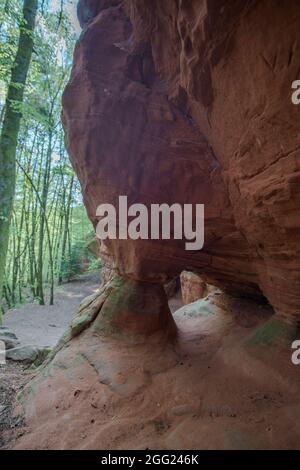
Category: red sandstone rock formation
[203,392]
[190,102]
[183,101]
[192,287]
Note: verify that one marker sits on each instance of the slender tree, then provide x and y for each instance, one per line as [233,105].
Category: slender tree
[11,127]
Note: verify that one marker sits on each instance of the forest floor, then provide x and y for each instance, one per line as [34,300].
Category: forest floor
[13,377]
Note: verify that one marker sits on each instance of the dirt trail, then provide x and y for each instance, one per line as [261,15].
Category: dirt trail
[44,325]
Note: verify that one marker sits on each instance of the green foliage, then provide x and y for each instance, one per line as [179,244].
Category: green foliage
[95,265]
[50,231]
[80,258]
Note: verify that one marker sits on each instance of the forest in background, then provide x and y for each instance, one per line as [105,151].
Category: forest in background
[49,232]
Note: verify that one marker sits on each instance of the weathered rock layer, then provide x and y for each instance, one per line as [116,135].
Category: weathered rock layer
[190,102]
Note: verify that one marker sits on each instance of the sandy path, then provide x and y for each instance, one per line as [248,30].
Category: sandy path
[44,325]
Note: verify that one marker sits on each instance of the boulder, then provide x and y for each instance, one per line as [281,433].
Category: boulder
[28,354]
[8,338]
[192,287]
[9,342]
[6,333]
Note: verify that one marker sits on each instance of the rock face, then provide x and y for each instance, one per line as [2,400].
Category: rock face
[192,287]
[8,338]
[190,102]
[203,392]
[181,101]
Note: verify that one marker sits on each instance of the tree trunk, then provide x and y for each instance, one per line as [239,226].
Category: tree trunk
[65,235]
[11,127]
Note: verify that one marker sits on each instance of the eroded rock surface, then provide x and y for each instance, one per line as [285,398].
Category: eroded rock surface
[208,390]
[190,102]
[183,102]
[192,287]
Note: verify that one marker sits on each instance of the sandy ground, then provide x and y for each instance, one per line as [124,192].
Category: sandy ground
[213,388]
[44,325]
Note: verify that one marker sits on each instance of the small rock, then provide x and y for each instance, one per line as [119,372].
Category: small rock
[4,332]
[10,343]
[28,354]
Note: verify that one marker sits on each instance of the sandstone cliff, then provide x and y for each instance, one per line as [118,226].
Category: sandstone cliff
[190,101]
